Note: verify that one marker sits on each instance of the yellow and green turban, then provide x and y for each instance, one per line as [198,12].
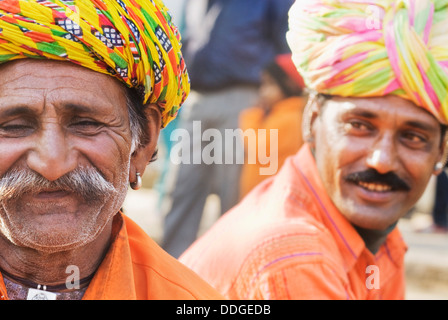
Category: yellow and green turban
[132,40]
[366,48]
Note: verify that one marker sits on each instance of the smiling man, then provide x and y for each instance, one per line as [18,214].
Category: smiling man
[375,124]
[85,87]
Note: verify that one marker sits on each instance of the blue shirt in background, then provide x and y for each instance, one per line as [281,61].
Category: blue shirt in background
[228,42]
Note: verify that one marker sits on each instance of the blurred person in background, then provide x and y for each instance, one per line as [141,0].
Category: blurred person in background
[439,210]
[177,11]
[226,45]
[280,105]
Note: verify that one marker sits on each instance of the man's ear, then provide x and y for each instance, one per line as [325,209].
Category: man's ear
[440,165]
[310,114]
[144,153]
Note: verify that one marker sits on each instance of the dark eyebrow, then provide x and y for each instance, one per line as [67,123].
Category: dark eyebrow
[363,113]
[21,110]
[73,108]
[78,108]
[422,126]
[412,123]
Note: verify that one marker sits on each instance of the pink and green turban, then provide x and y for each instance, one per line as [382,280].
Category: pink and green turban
[132,40]
[367,48]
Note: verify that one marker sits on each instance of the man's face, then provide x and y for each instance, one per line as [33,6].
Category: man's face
[57,118]
[375,156]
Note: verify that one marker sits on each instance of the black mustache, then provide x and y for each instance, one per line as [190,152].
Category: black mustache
[373,176]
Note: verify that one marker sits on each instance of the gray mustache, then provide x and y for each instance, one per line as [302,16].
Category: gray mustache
[86,182]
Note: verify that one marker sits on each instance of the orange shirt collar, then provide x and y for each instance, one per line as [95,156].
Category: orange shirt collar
[114,279]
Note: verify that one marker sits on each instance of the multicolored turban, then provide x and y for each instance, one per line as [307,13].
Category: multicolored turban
[132,40]
[367,48]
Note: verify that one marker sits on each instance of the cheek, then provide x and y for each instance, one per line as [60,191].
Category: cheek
[337,156]
[10,154]
[329,149]
[330,172]
[418,170]
[109,155]
[328,164]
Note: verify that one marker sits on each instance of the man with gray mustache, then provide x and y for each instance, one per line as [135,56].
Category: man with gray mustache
[27,190]
[85,88]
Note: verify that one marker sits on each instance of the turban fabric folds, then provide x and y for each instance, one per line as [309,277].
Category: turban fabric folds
[132,40]
[366,48]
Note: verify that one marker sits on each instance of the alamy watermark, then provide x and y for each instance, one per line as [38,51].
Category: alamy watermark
[212,146]
[373,280]
[72,281]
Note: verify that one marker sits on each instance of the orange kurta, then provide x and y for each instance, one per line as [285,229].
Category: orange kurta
[286,240]
[286,117]
[135,267]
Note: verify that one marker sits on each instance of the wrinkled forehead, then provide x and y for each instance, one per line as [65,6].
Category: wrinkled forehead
[29,79]
[46,72]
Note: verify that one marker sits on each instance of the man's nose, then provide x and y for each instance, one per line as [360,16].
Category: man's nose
[52,156]
[383,157]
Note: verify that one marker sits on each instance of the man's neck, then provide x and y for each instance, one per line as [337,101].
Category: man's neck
[373,239]
[53,269]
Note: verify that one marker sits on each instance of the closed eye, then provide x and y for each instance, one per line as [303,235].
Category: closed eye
[86,126]
[16,128]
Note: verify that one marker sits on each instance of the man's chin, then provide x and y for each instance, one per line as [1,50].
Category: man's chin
[55,232]
[373,220]
[52,243]
[371,216]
